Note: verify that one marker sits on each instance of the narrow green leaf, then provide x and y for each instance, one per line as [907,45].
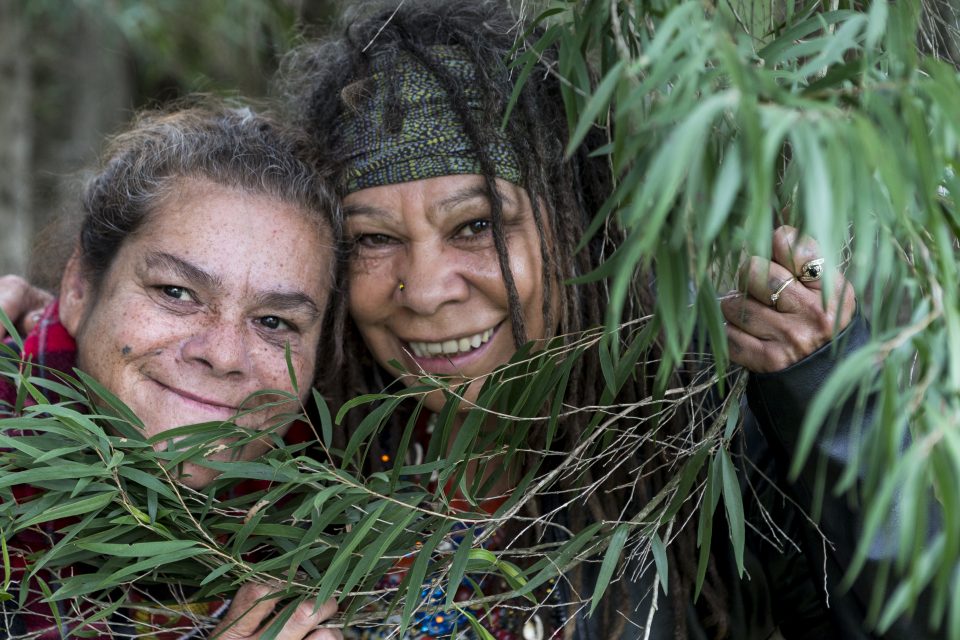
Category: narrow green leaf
[216,573]
[711,495]
[597,103]
[660,561]
[346,550]
[139,550]
[326,422]
[478,629]
[11,331]
[373,421]
[75,508]
[610,560]
[733,502]
[280,620]
[54,609]
[413,581]
[135,428]
[149,564]
[725,189]
[356,402]
[5,556]
[459,564]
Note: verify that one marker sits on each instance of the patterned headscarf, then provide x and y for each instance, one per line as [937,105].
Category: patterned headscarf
[431,141]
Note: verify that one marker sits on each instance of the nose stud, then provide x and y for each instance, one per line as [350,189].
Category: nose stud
[402,286]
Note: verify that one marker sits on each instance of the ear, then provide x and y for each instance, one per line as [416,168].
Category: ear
[75,295]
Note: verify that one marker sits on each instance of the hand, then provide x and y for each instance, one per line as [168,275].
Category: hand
[769,333]
[248,618]
[22,303]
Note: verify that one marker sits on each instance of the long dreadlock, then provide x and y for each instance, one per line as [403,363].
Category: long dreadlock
[321,79]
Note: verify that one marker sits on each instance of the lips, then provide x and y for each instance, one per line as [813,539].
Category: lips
[453,356]
[201,404]
[453,346]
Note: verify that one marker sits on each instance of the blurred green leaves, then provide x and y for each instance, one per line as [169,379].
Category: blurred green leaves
[216,45]
[729,119]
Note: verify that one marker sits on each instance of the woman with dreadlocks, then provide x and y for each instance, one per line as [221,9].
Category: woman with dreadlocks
[459,237]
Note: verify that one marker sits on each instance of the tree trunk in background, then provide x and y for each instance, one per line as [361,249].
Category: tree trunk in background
[16,224]
[86,95]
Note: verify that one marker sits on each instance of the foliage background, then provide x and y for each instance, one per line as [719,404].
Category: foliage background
[838,117]
[74,71]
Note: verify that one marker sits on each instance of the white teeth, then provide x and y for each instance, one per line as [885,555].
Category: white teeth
[450,347]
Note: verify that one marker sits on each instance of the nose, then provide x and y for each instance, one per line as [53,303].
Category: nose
[432,278]
[221,346]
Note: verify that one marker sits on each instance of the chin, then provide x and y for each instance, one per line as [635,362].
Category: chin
[436,400]
[195,476]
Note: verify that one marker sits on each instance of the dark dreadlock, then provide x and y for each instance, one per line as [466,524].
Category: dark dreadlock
[323,78]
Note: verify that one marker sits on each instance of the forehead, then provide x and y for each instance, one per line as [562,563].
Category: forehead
[237,233]
[193,206]
[194,197]
[431,196]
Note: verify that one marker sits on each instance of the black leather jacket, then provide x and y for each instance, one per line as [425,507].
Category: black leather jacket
[792,572]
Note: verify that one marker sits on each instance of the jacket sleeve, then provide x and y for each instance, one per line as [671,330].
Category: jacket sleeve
[778,403]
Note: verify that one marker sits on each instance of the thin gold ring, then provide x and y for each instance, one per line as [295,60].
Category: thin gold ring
[776,294]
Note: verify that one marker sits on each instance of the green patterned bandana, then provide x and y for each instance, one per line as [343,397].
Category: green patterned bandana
[431,141]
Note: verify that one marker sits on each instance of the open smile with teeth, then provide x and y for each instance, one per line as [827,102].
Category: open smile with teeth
[451,347]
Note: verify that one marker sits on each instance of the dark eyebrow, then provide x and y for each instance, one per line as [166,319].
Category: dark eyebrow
[186,270]
[364,210]
[289,301]
[470,193]
[456,198]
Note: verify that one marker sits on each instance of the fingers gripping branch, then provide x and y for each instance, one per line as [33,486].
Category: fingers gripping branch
[780,317]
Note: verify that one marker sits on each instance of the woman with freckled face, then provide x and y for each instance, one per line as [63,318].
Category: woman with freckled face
[204,257]
[191,319]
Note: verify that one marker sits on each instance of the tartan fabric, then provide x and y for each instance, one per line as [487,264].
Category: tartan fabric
[49,347]
[431,141]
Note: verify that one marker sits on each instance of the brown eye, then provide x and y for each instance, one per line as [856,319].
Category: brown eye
[174,292]
[373,240]
[273,323]
[474,228]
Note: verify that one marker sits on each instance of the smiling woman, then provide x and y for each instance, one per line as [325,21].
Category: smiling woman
[469,216]
[210,292]
[452,317]
[204,258]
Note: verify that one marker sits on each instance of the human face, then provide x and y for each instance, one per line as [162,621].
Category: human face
[452,316]
[197,308]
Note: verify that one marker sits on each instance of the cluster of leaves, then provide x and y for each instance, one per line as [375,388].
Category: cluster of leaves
[314,522]
[826,116]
